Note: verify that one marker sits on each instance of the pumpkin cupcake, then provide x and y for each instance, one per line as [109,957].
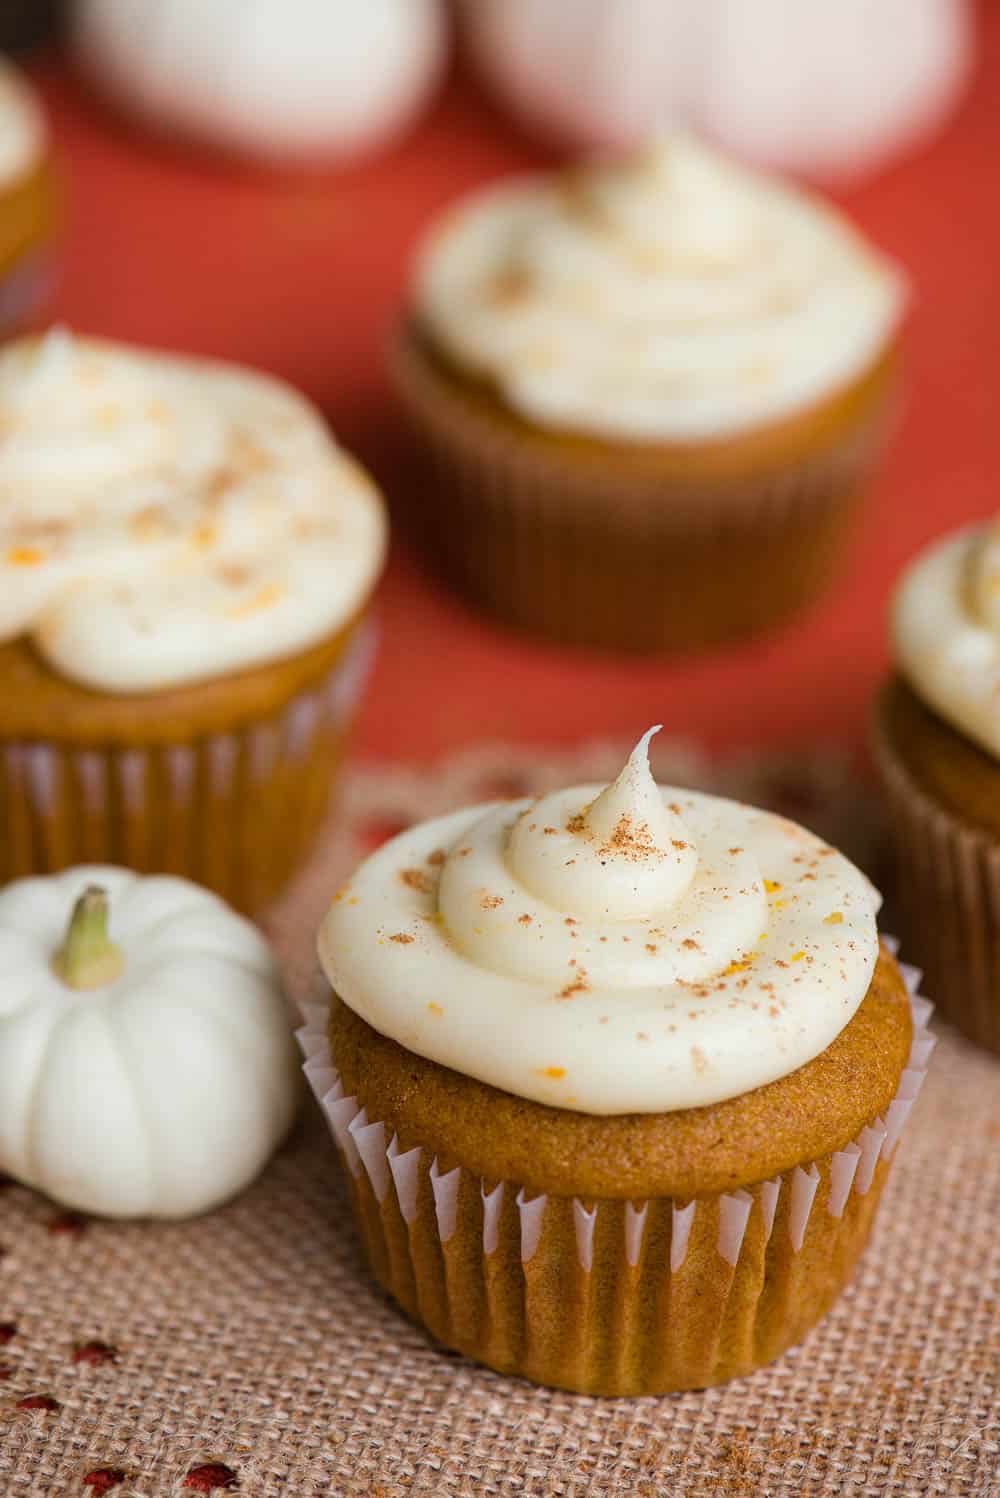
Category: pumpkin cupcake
[652,390]
[937,744]
[616,1076]
[186,562]
[27,206]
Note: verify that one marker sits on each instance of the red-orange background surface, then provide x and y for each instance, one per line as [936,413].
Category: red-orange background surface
[301,275]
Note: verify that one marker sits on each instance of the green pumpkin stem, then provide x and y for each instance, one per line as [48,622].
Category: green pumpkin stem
[88,958]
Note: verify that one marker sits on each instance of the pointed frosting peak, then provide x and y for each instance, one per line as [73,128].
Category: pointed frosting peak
[618,855]
[629,817]
[54,351]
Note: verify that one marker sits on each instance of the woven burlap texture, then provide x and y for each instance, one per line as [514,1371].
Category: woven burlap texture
[255,1339]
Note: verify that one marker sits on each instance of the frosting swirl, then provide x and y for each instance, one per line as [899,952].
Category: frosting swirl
[22,125]
[946,629]
[166,520]
[627,949]
[673,296]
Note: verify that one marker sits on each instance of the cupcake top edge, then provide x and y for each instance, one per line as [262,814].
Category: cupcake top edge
[167,520]
[946,631]
[670,296]
[621,949]
[23,131]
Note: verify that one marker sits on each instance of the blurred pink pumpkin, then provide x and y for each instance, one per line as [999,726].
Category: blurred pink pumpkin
[829,88]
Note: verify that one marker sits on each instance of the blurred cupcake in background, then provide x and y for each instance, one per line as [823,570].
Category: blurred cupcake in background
[27,199]
[652,390]
[937,743]
[186,563]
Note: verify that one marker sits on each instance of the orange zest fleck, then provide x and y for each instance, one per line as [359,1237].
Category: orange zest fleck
[771,885]
[555,1073]
[735,967]
[205,534]
[435,1009]
[796,956]
[264,598]
[833,919]
[24,556]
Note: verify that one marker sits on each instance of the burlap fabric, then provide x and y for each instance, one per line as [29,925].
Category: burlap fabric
[249,1351]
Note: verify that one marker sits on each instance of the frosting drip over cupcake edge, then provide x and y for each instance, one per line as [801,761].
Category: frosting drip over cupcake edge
[629,948]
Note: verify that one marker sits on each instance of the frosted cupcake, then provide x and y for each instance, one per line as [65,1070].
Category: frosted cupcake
[26,199]
[652,391]
[186,563]
[937,742]
[616,1077]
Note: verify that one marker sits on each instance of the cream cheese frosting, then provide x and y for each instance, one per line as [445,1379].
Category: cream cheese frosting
[620,949]
[946,630]
[23,134]
[164,520]
[670,297]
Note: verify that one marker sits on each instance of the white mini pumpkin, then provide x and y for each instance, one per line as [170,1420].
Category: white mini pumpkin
[275,79]
[149,1075]
[830,89]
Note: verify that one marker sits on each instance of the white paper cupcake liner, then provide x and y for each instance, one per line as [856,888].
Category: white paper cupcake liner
[366,1150]
[207,809]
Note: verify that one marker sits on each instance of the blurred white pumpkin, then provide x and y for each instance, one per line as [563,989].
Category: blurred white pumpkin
[283,80]
[826,87]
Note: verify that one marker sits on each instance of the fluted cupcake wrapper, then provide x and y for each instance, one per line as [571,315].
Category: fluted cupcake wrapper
[611,1296]
[236,811]
[950,899]
[618,556]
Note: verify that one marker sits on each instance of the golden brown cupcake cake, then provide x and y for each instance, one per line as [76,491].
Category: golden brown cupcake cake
[186,563]
[616,1076]
[651,390]
[937,744]
[27,199]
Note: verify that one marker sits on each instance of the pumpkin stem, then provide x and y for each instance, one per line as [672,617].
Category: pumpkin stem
[88,958]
